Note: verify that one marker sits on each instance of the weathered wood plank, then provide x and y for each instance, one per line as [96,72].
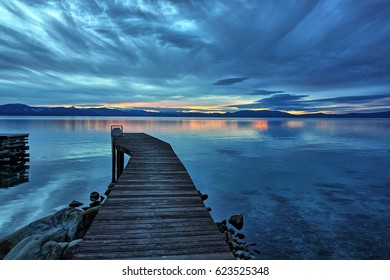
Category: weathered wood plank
[152,250]
[177,256]
[142,239]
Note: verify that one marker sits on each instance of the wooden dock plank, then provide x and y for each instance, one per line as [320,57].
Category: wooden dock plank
[154,211]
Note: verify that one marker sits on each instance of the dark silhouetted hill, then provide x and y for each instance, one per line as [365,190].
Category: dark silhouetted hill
[25,110]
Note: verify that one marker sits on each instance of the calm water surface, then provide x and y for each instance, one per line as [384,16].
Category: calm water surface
[308,189]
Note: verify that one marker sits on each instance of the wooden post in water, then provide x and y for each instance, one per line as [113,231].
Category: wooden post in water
[113,150]
[13,159]
[120,162]
[117,156]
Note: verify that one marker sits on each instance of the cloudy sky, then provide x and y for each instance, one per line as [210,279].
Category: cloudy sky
[296,56]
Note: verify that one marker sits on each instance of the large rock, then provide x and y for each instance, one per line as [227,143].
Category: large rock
[237,221]
[71,249]
[51,250]
[30,248]
[32,241]
[66,219]
[85,222]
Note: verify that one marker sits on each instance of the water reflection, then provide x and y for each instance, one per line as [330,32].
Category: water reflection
[13,175]
[139,124]
[260,125]
[295,124]
[307,188]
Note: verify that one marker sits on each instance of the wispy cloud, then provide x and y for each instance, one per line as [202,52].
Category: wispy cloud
[264,92]
[229,81]
[97,52]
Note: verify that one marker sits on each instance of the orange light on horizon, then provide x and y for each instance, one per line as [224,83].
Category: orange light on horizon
[295,124]
[261,125]
[164,105]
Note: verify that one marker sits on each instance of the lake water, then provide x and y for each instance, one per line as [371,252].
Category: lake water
[308,189]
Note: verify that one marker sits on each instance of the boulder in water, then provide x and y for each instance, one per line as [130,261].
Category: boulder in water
[237,221]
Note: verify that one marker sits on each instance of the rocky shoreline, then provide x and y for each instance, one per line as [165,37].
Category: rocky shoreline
[51,238]
[56,237]
[235,240]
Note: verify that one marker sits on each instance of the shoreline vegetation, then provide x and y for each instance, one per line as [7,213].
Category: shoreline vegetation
[57,236]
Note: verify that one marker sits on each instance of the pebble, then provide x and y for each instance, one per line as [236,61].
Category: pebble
[94,196]
[75,203]
[243,255]
[230,230]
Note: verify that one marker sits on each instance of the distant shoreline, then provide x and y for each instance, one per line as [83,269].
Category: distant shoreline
[29,111]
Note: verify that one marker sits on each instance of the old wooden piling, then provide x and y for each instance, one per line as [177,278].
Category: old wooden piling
[13,159]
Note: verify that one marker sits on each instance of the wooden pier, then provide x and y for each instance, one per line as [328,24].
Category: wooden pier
[13,159]
[154,211]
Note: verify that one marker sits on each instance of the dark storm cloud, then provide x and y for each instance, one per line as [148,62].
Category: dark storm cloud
[277,102]
[124,51]
[301,103]
[229,81]
[352,99]
[264,92]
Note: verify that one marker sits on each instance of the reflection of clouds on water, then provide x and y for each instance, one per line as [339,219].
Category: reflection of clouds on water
[229,152]
[303,186]
[53,186]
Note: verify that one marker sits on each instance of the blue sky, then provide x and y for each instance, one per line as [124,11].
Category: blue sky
[296,56]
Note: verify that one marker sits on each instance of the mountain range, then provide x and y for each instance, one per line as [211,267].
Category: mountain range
[25,110]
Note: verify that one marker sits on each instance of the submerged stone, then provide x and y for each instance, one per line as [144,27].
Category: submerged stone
[240,235]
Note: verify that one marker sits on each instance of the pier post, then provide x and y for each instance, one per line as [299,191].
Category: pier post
[113,150]
[120,163]
[117,156]
[13,159]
